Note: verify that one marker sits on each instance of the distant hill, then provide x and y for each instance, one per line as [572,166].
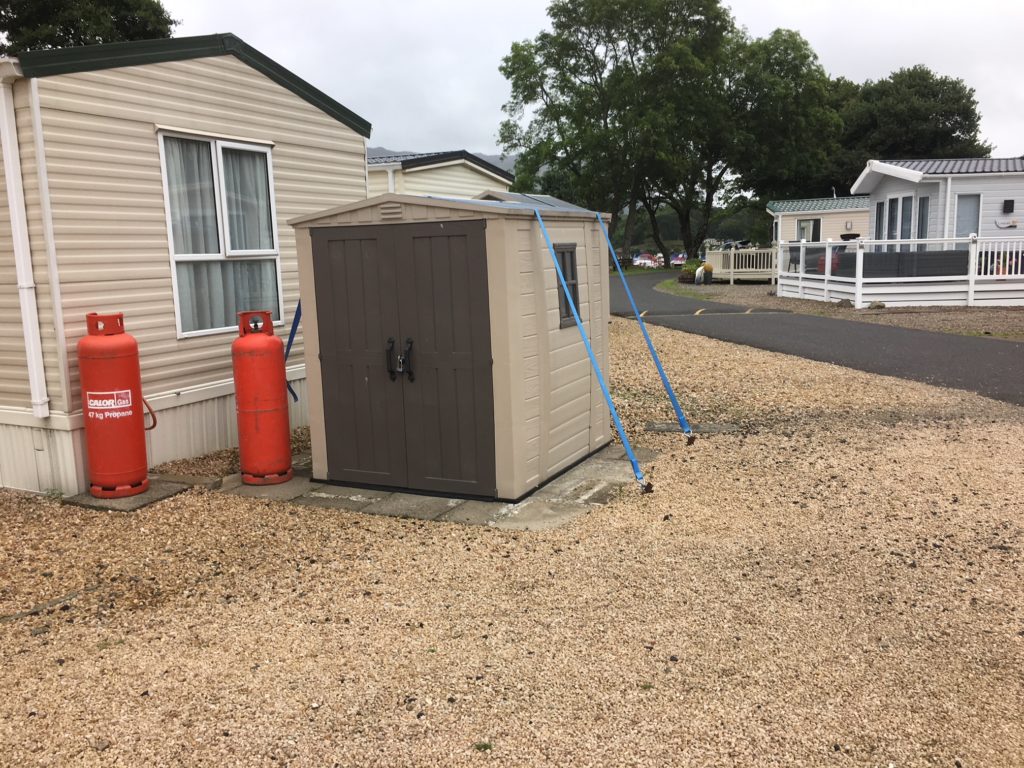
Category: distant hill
[505,162]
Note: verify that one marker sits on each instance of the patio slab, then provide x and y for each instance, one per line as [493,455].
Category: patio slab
[341,497]
[157,491]
[286,491]
[412,506]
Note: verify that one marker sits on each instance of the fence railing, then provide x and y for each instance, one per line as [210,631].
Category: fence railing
[915,272]
[743,263]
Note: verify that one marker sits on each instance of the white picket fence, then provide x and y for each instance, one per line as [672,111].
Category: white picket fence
[905,273]
[743,263]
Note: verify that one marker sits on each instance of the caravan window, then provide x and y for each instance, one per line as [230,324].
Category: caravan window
[968,215]
[222,230]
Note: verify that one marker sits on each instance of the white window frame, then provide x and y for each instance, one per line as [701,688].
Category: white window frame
[956,211]
[812,220]
[226,244]
[223,237]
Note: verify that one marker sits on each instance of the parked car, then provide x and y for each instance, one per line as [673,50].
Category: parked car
[645,260]
[676,259]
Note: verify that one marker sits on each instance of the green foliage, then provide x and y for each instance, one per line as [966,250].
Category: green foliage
[662,105]
[29,25]
[912,114]
[689,270]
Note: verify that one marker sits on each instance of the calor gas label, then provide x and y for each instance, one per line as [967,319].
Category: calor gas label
[121,398]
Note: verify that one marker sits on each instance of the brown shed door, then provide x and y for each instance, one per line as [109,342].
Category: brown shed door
[432,427]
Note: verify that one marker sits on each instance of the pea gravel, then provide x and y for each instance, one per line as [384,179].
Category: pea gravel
[837,583]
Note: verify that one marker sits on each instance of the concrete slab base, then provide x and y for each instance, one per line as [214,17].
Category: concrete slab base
[592,483]
[157,491]
[412,506]
[340,497]
[286,491]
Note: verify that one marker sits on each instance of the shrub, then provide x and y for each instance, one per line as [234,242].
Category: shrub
[689,269]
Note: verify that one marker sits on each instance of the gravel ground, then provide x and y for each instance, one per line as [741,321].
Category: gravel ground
[1001,323]
[222,463]
[839,583]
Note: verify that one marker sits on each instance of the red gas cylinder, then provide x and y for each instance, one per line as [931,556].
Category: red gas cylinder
[261,401]
[108,366]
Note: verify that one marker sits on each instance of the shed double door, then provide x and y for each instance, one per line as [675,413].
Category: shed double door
[405,351]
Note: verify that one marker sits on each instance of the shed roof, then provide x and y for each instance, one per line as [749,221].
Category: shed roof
[492,207]
[533,201]
[412,160]
[818,204]
[88,58]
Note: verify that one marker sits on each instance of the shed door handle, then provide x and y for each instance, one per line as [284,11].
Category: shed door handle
[405,361]
[389,358]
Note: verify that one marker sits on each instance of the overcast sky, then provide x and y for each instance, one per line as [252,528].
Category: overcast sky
[426,73]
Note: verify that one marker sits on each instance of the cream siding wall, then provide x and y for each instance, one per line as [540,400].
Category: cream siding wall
[377,182]
[459,179]
[833,224]
[107,197]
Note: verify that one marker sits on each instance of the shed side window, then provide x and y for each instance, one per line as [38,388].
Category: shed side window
[566,254]
[223,236]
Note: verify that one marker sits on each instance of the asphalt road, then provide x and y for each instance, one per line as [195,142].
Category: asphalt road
[990,367]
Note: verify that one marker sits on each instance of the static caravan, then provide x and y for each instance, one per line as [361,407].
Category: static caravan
[944,198]
[818,219]
[448,174]
[154,179]
[441,352]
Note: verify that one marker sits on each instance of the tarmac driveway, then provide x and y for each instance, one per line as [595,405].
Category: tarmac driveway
[991,367]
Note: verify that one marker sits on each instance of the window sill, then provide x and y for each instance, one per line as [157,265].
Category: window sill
[217,331]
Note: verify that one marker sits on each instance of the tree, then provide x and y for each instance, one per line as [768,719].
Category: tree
[664,103]
[912,114]
[28,25]
[582,83]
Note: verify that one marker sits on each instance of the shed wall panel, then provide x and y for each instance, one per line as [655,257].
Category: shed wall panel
[106,191]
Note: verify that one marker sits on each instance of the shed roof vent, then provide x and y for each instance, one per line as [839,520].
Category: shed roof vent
[390,211]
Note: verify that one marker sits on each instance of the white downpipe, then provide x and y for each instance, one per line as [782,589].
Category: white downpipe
[22,251]
[391,179]
[51,243]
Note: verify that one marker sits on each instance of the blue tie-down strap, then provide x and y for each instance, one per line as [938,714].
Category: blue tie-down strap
[683,423]
[645,486]
[291,340]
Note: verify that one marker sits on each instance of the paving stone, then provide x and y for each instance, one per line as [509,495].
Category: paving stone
[157,491]
[412,505]
[287,491]
[537,514]
[341,497]
[475,512]
[202,481]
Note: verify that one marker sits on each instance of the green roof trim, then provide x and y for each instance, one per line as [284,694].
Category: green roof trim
[88,58]
[858,202]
